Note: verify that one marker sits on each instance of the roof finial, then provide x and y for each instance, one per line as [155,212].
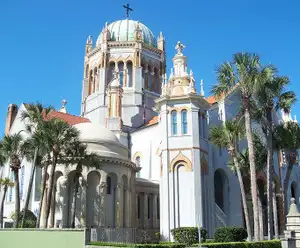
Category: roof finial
[201,88]
[63,108]
[127,9]
[89,40]
[179,47]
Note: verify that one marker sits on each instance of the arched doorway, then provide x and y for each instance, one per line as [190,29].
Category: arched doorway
[221,190]
[111,202]
[93,199]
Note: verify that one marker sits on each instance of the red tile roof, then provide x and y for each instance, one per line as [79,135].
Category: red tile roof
[211,99]
[153,121]
[70,119]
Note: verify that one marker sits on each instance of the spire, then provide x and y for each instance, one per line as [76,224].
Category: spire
[201,88]
[89,40]
[161,42]
[89,44]
[295,119]
[63,108]
[192,82]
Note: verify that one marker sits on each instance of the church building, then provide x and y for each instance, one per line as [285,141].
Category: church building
[151,130]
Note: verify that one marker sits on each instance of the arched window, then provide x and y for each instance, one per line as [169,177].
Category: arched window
[156,80]
[110,73]
[184,126]
[149,86]
[108,189]
[138,164]
[121,71]
[293,190]
[22,182]
[174,122]
[129,70]
[218,183]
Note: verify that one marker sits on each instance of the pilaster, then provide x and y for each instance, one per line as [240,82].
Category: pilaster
[146,219]
[120,205]
[154,218]
[83,204]
[103,189]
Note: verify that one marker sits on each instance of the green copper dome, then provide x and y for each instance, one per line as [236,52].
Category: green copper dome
[123,30]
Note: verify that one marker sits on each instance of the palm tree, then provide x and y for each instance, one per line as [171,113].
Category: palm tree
[287,138]
[228,135]
[260,152]
[243,74]
[44,165]
[77,153]
[35,114]
[59,135]
[12,150]
[6,183]
[269,97]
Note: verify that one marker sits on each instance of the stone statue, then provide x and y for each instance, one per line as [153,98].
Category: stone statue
[179,47]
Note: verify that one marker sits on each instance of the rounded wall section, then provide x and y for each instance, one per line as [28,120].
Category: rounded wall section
[101,140]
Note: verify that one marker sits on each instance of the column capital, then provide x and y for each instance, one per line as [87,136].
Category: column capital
[103,185]
[119,186]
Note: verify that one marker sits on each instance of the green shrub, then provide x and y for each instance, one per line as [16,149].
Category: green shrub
[230,234]
[188,235]
[261,244]
[30,219]
[157,235]
[172,245]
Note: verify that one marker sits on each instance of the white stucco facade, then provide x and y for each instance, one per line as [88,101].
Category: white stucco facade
[158,168]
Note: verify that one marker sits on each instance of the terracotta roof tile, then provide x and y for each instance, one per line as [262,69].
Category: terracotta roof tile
[70,119]
[153,121]
[211,99]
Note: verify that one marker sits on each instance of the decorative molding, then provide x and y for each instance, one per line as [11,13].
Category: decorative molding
[179,109]
[185,149]
[180,159]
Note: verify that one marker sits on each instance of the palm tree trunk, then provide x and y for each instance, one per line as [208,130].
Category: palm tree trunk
[261,219]
[17,197]
[270,179]
[30,185]
[44,179]
[73,209]
[252,170]
[244,200]
[2,205]
[50,188]
[276,230]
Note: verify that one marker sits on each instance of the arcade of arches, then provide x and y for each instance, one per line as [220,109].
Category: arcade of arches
[103,200]
[150,76]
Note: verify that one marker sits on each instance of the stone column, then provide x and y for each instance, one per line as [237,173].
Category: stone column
[154,216]
[125,76]
[120,205]
[127,207]
[64,201]
[146,220]
[83,202]
[103,188]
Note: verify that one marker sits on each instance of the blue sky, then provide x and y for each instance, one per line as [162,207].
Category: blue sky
[42,42]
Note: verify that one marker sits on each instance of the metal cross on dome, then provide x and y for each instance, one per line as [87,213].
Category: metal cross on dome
[127,9]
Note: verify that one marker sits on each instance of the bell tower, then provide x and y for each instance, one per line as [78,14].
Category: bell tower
[184,156]
[129,47]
